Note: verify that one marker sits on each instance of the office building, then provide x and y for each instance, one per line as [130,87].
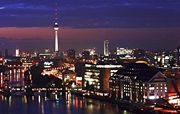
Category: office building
[95,77]
[17,52]
[106,48]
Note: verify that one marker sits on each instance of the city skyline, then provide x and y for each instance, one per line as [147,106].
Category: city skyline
[135,24]
[90,57]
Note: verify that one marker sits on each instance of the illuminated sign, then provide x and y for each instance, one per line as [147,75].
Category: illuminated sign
[48,64]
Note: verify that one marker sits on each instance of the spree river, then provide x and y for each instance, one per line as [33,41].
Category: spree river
[41,105]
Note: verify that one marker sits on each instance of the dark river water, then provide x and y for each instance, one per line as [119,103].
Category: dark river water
[41,105]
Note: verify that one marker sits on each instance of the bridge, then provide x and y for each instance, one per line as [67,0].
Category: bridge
[28,90]
[10,86]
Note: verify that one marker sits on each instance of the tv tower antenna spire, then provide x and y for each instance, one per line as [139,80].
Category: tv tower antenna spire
[56,28]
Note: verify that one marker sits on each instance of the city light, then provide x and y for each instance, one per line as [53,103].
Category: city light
[89,57]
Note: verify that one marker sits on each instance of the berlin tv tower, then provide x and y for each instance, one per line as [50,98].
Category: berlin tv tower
[56,28]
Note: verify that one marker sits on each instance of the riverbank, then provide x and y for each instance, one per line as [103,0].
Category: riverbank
[138,108]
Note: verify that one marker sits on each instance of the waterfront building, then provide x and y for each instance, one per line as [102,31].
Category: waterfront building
[173,87]
[95,77]
[141,83]
[130,83]
[157,87]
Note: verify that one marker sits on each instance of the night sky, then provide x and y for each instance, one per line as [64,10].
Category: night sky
[148,24]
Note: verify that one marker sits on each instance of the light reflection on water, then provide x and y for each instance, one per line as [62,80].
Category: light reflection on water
[39,105]
[15,77]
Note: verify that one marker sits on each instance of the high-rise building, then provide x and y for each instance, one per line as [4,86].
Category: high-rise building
[56,28]
[106,48]
[17,52]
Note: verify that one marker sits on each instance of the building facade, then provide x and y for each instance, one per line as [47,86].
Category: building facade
[95,77]
[106,48]
[157,87]
[130,83]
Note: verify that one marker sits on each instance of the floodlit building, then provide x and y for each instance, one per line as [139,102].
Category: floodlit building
[130,83]
[95,77]
[157,87]
[124,51]
[17,52]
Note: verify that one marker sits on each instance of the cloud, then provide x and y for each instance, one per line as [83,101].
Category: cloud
[91,13]
[2,8]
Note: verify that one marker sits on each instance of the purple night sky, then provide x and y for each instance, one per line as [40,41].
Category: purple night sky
[149,24]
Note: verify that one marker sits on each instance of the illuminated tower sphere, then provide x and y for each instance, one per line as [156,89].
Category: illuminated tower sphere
[56,28]
[106,48]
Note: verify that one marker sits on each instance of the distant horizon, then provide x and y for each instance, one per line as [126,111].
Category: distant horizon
[25,48]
